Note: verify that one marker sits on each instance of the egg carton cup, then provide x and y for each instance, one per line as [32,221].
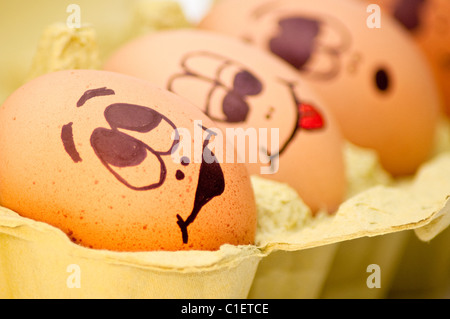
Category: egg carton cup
[424,271]
[344,266]
[293,274]
[373,230]
[351,267]
[39,261]
[406,260]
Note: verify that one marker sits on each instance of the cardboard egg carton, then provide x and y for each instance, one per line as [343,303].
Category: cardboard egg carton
[295,255]
[40,261]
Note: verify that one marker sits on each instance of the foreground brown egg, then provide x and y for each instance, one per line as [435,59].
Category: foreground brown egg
[94,154]
[375,81]
[250,94]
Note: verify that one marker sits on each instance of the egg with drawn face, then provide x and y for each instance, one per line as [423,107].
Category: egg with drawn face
[96,154]
[375,81]
[428,21]
[282,130]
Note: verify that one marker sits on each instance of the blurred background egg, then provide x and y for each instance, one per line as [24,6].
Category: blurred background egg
[93,153]
[250,92]
[428,21]
[376,81]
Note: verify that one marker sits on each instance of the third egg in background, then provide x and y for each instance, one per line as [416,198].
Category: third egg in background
[376,81]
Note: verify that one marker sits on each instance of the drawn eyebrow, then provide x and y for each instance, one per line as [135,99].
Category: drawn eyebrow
[69,143]
[93,93]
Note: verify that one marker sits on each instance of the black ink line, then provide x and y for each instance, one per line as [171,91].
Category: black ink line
[211,183]
[95,140]
[68,142]
[94,93]
[122,141]
[216,82]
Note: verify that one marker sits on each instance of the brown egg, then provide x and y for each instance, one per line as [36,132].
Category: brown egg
[428,21]
[283,130]
[94,153]
[375,80]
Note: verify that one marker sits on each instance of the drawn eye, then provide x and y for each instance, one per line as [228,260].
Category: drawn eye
[132,117]
[144,124]
[118,149]
[128,159]
[245,83]
[295,41]
[408,12]
[235,108]
[382,81]
[225,105]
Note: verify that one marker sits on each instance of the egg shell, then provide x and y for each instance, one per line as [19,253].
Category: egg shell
[210,69]
[375,80]
[89,152]
[428,21]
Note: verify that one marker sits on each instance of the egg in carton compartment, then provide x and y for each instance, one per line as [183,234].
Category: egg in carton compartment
[381,210]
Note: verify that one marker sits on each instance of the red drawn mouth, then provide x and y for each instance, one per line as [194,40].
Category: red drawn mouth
[310,118]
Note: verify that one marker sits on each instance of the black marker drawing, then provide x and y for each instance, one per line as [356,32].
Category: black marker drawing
[69,143]
[211,183]
[299,40]
[407,12]
[246,83]
[116,149]
[90,94]
[234,105]
[290,46]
